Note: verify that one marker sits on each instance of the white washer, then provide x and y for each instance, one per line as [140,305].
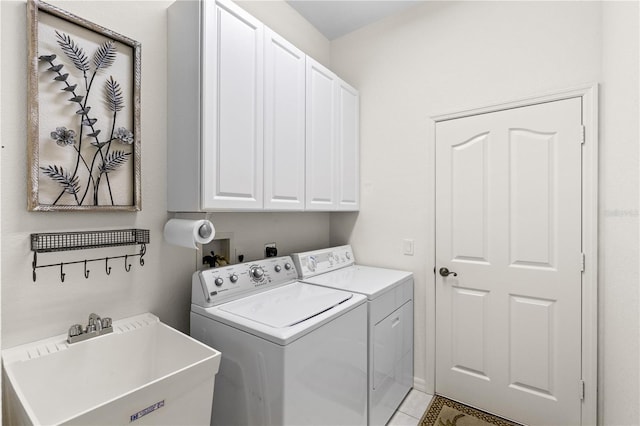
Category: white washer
[292,353]
[390,321]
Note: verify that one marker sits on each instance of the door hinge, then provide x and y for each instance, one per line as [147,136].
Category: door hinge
[582,261]
[583,135]
[581,389]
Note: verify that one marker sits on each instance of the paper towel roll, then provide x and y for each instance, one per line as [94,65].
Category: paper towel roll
[188,233]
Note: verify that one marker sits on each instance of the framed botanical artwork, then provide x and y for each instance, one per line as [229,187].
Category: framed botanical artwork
[84,114]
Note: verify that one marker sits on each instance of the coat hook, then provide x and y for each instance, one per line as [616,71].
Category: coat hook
[62,274]
[143,250]
[127,267]
[34,265]
[86,271]
[107,268]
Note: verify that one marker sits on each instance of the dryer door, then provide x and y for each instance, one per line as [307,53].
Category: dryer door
[392,362]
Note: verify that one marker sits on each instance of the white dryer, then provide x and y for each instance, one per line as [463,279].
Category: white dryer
[292,353]
[389,295]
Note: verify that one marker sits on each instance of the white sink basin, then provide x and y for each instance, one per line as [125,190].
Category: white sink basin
[145,372]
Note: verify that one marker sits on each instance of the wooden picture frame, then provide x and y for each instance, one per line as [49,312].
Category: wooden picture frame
[83,114]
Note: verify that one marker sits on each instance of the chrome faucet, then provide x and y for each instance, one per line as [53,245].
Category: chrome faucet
[96,327]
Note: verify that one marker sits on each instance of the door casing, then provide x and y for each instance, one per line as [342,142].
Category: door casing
[589,95]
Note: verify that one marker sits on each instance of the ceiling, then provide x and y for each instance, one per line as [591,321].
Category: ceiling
[335,18]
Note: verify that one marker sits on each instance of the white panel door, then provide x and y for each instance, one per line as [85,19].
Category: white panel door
[320,138]
[348,147]
[233,83]
[508,223]
[284,127]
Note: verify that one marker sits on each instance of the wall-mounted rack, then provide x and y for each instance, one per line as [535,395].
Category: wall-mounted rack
[65,241]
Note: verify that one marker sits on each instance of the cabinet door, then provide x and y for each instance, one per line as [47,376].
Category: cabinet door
[232,116]
[320,141]
[284,126]
[348,147]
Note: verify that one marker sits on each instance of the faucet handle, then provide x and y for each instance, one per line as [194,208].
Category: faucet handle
[75,330]
[106,322]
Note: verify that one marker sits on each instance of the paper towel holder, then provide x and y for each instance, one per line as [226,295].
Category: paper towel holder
[188,232]
[205,230]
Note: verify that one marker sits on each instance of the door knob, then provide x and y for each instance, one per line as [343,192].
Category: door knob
[445,272]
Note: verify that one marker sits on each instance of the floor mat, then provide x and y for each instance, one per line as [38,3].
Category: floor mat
[445,412]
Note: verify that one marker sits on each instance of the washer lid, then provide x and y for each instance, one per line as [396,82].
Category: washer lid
[368,280]
[286,306]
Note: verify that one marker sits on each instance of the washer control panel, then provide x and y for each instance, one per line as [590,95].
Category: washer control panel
[213,286]
[316,262]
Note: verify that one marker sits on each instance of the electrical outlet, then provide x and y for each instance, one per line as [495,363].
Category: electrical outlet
[239,255]
[270,250]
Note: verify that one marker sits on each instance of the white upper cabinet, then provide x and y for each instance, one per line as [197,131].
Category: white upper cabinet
[216,97]
[333,155]
[253,123]
[232,108]
[348,147]
[284,124]
[321,136]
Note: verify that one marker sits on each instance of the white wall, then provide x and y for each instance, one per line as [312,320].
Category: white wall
[35,310]
[32,311]
[443,57]
[619,276]
[1,206]
[249,232]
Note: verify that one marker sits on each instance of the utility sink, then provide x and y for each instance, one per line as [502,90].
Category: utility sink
[145,372]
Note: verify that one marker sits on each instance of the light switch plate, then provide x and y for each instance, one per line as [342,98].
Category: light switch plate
[407,247]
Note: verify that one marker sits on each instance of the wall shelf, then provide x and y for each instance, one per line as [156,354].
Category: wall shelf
[66,241]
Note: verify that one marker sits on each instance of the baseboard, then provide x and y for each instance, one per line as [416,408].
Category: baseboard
[420,384]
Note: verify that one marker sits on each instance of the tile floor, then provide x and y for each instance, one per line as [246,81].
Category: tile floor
[411,410]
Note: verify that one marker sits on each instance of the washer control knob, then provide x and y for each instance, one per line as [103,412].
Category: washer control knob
[287,266]
[256,272]
[233,278]
[278,268]
[219,281]
[348,255]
